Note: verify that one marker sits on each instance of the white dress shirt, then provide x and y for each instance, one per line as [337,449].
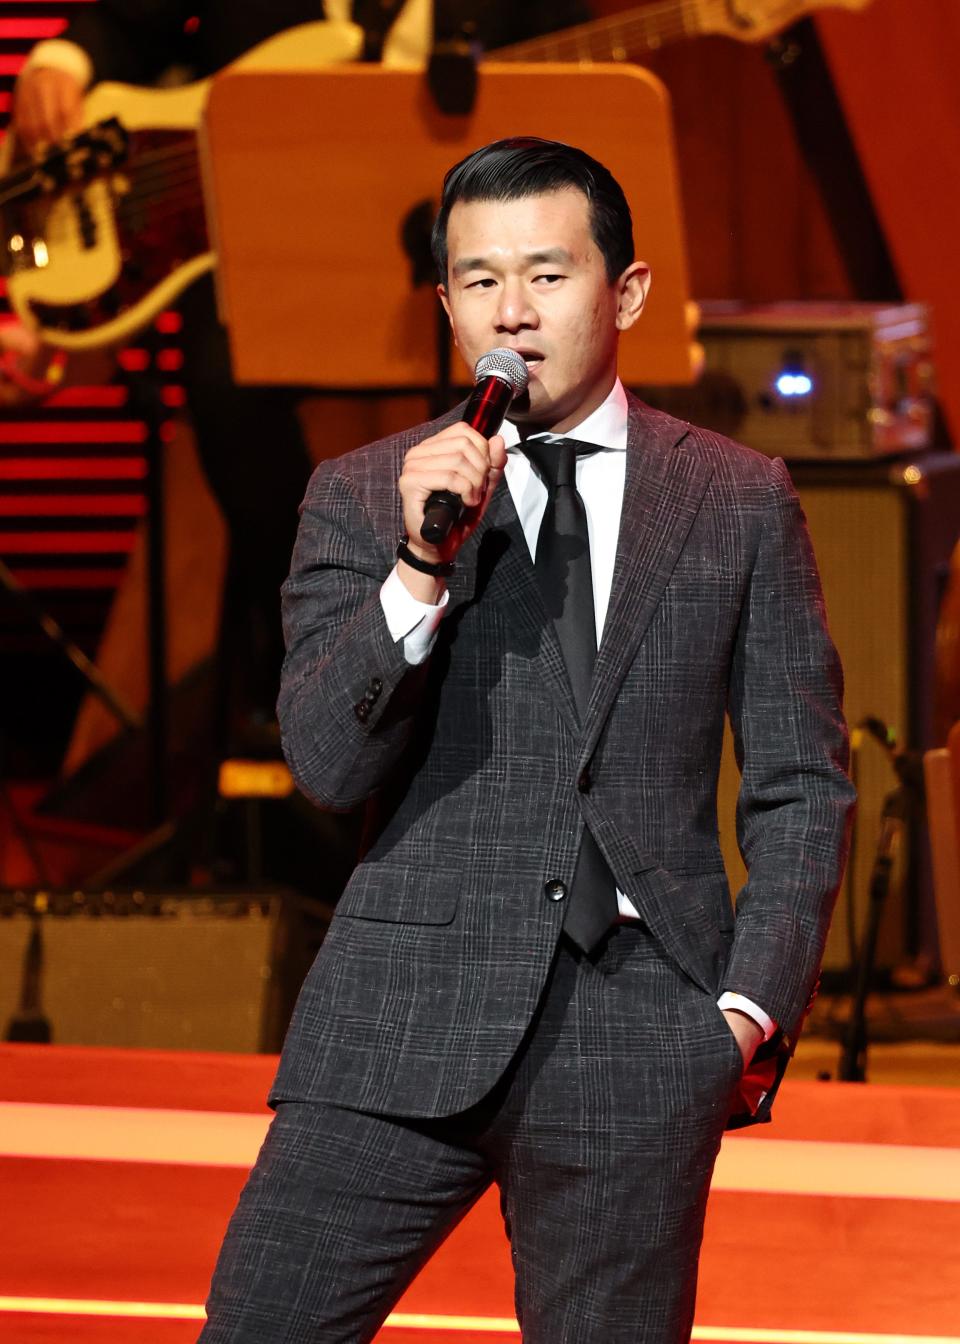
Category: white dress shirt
[600,482]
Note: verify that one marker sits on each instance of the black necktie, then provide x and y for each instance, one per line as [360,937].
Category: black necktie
[564,573]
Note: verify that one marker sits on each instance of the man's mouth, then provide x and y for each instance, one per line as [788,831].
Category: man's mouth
[532,358]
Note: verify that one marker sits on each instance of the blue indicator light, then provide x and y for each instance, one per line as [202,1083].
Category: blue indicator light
[794,385]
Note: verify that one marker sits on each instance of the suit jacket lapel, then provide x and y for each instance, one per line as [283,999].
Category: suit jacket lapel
[665,484]
[504,574]
[663,490]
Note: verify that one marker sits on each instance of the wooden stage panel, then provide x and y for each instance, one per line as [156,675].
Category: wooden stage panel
[78,1076]
[31,1329]
[141,1231]
[119,1231]
[872,1265]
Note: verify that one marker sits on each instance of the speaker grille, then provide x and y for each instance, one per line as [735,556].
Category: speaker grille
[194,974]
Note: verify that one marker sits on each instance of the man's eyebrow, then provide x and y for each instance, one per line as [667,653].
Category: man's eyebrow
[470,264]
[556,256]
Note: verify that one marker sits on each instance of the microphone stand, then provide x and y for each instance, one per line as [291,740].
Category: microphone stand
[853,1058]
[898,809]
[452,83]
[452,67]
[29,1023]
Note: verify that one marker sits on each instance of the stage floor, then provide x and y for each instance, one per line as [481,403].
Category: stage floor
[838,1223]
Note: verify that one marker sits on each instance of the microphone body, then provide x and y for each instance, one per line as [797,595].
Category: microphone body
[501,375]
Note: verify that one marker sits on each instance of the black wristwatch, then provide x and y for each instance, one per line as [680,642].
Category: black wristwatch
[443,570]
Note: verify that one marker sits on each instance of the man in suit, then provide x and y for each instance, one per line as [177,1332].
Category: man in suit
[140,42]
[535,975]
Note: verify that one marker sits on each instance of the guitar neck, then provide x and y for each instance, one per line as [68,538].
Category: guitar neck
[634,33]
[619,37]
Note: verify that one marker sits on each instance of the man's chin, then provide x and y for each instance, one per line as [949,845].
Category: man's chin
[534,409]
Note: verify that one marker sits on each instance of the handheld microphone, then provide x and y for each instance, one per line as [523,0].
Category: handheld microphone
[500,376]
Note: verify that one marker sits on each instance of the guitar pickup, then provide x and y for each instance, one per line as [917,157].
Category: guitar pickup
[85,221]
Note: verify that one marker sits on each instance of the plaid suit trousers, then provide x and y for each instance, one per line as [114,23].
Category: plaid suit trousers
[601,1135]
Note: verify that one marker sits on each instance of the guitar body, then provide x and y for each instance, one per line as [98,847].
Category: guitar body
[102,258]
[91,262]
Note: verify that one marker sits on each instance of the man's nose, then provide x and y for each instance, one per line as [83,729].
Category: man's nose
[515,311]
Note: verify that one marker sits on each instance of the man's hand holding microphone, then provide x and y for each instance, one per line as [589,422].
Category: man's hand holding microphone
[448,480]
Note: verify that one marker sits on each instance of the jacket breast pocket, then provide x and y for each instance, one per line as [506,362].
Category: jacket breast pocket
[395,894]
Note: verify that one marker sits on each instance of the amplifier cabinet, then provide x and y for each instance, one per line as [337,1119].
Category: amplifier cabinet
[813,380]
[139,969]
[883,535]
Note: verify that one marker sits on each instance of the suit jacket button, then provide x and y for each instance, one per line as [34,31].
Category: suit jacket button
[584,781]
[362,711]
[375,687]
[554,890]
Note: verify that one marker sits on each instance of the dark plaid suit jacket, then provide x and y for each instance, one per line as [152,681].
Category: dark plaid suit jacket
[483,776]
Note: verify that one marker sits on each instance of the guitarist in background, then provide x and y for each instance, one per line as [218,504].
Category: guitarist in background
[249,439]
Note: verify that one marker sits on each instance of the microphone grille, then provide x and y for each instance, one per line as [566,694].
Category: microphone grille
[504,364]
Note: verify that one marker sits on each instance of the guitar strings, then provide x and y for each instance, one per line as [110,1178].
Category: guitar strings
[169,171]
[155,188]
[156,184]
[183,146]
[137,171]
[105,214]
[668,21]
[149,157]
[178,204]
[123,209]
[183,194]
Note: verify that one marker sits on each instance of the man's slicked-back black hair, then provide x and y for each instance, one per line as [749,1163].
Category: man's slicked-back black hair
[525,165]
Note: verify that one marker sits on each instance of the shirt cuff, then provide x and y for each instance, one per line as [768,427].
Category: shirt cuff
[741,1004]
[409,619]
[56,53]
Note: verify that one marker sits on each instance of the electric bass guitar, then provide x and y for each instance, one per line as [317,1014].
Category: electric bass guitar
[104,231]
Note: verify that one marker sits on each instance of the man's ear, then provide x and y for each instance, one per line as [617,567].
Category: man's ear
[632,289]
[445,300]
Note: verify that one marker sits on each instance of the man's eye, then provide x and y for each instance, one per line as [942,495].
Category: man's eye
[548,279]
[481,284]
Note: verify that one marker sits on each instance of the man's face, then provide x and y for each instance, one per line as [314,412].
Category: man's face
[527,274]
